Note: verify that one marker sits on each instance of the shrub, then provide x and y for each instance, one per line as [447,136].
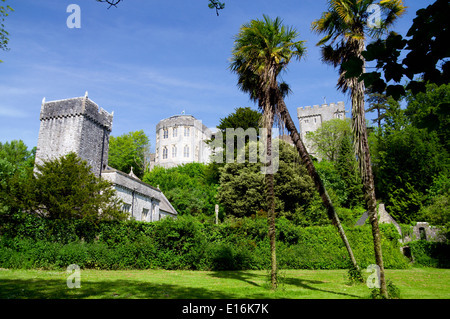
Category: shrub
[185,243]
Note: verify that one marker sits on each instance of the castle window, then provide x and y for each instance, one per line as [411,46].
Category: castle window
[186,151]
[126,208]
[165,151]
[186,131]
[144,214]
[174,151]
[166,133]
[306,121]
[175,132]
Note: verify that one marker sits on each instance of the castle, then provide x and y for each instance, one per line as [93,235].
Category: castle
[311,118]
[79,125]
[180,139]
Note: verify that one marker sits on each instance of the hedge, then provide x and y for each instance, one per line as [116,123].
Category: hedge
[185,243]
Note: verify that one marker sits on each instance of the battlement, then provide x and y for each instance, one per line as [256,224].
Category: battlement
[79,106]
[320,109]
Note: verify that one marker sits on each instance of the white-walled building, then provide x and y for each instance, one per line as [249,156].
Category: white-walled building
[180,139]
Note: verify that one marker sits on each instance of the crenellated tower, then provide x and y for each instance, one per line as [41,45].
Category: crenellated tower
[75,125]
[311,118]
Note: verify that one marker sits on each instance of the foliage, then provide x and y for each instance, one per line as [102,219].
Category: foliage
[328,137]
[190,188]
[425,54]
[4,12]
[130,150]
[185,243]
[436,207]
[342,182]
[388,110]
[430,254]
[65,188]
[242,192]
[16,164]
[392,290]
[406,163]
[430,110]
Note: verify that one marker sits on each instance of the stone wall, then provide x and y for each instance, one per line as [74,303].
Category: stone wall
[142,201]
[311,118]
[74,125]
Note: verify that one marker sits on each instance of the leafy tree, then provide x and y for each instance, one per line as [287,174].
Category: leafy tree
[65,188]
[345,26]
[130,150]
[430,110]
[243,118]
[241,189]
[17,153]
[347,168]
[188,187]
[328,137]
[407,162]
[383,105]
[262,49]
[4,12]
[425,53]
[436,208]
[16,164]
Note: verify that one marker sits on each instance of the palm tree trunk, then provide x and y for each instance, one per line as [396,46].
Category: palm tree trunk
[359,129]
[271,211]
[306,159]
[268,120]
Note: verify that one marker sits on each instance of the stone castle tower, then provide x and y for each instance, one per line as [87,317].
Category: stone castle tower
[311,118]
[75,125]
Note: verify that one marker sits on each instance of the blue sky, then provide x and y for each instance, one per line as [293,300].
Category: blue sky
[147,60]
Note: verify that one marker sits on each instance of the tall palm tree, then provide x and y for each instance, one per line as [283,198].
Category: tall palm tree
[346,27]
[262,50]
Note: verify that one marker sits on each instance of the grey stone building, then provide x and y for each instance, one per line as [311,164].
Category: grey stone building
[311,118]
[79,125]
[180,139]
[74,125]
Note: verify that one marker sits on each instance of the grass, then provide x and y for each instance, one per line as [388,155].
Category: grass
[414,283]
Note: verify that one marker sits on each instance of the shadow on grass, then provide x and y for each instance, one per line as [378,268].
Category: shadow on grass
[116,289]
[252,279]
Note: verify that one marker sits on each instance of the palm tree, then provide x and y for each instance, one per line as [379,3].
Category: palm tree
[262,50]
[346,26]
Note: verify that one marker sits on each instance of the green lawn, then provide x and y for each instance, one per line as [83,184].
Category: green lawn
[421,283]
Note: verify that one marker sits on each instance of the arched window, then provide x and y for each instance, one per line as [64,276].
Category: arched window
[186,131]
[186,151]
[166,133]
[174,132]
[174,151]
[165,152]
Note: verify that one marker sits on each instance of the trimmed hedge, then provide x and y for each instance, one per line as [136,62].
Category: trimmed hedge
[185,243]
